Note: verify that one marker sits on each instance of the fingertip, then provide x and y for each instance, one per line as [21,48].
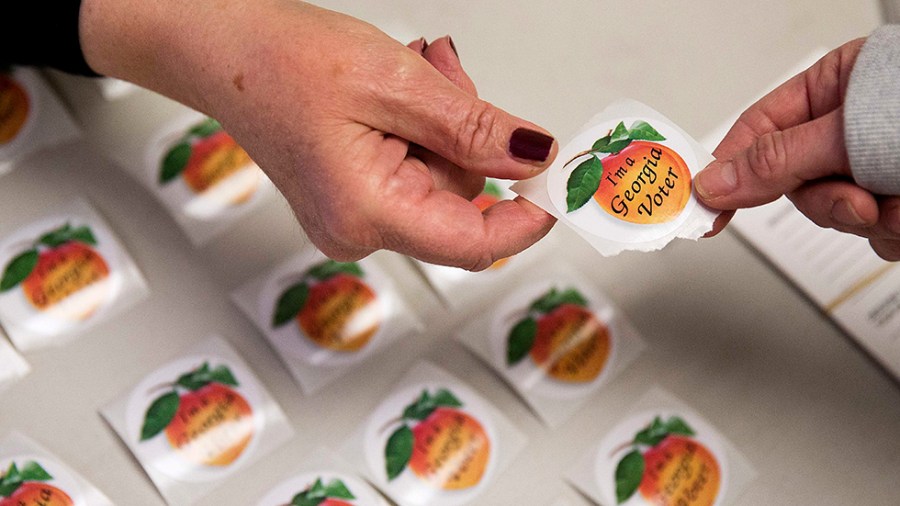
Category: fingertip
[717,180]
[886,249]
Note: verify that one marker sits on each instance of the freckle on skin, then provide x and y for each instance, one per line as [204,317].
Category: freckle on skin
[239,81]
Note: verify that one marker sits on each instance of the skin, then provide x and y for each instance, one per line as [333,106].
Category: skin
[791,143]
[373,144]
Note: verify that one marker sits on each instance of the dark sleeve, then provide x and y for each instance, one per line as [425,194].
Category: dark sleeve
[42,33]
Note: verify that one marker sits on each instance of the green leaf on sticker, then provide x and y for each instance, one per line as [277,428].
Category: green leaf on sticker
[426,404]
[18,269]
[222,374]
[398,451]
[160,414]
[319,492]
[583,183]
[290,303]
[520,340]
[13,478]
[330,268]
[174,162]
[555,298]
[65,234]
[492,188]
[445,398]
[205,128]
[32,471]
[658,429]
[629,473]
[616,141]
[601,145]
[642,131]
[676,425]
[619,134]
[10,481]
[204,375]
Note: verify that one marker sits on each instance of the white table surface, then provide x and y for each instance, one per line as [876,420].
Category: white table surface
[816,417]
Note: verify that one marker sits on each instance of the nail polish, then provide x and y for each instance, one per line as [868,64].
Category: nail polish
[530,145]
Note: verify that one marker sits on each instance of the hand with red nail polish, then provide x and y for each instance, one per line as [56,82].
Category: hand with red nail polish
[374,144]
[792,142]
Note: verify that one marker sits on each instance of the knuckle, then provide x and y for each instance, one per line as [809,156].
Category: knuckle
[768,159]
[477,129]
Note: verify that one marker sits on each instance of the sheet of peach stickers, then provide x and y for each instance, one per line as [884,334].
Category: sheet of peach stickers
[625,182]
[198,420]
[555,339]
[324,480]
[31,117]
[32,476]
[434,441]
[662,454]
[325,317]
[62,274]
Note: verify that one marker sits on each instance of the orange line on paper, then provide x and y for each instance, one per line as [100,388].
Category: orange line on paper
[858,287]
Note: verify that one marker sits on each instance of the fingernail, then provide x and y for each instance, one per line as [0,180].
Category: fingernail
[716,180]
[529,144]
[453,46]
[844,213]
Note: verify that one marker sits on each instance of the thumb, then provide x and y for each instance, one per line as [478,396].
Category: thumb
[434,113]
[776,163]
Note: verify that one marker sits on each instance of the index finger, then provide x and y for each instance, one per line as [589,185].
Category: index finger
[811,94]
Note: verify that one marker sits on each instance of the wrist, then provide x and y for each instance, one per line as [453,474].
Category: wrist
[174,48]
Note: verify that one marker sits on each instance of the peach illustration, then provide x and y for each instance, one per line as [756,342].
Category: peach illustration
[562,336]
[446,447]
[640,181]
[668,467]
[333,306]
[28,487]
[14,108]
[205,420]
[58,266]
[205,157]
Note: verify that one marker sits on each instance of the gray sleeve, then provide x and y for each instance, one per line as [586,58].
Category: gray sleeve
[872,113]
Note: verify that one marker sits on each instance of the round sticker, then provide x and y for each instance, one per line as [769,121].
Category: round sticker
[431,444]
[554,339]
[195,419]
[58,273]
[327,313]
[201,171]
[662,458]
[627,180]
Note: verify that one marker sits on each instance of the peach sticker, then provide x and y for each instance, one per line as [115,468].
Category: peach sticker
[215,172]
[432,444]
[665,459]
[196,418]
[625,182]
